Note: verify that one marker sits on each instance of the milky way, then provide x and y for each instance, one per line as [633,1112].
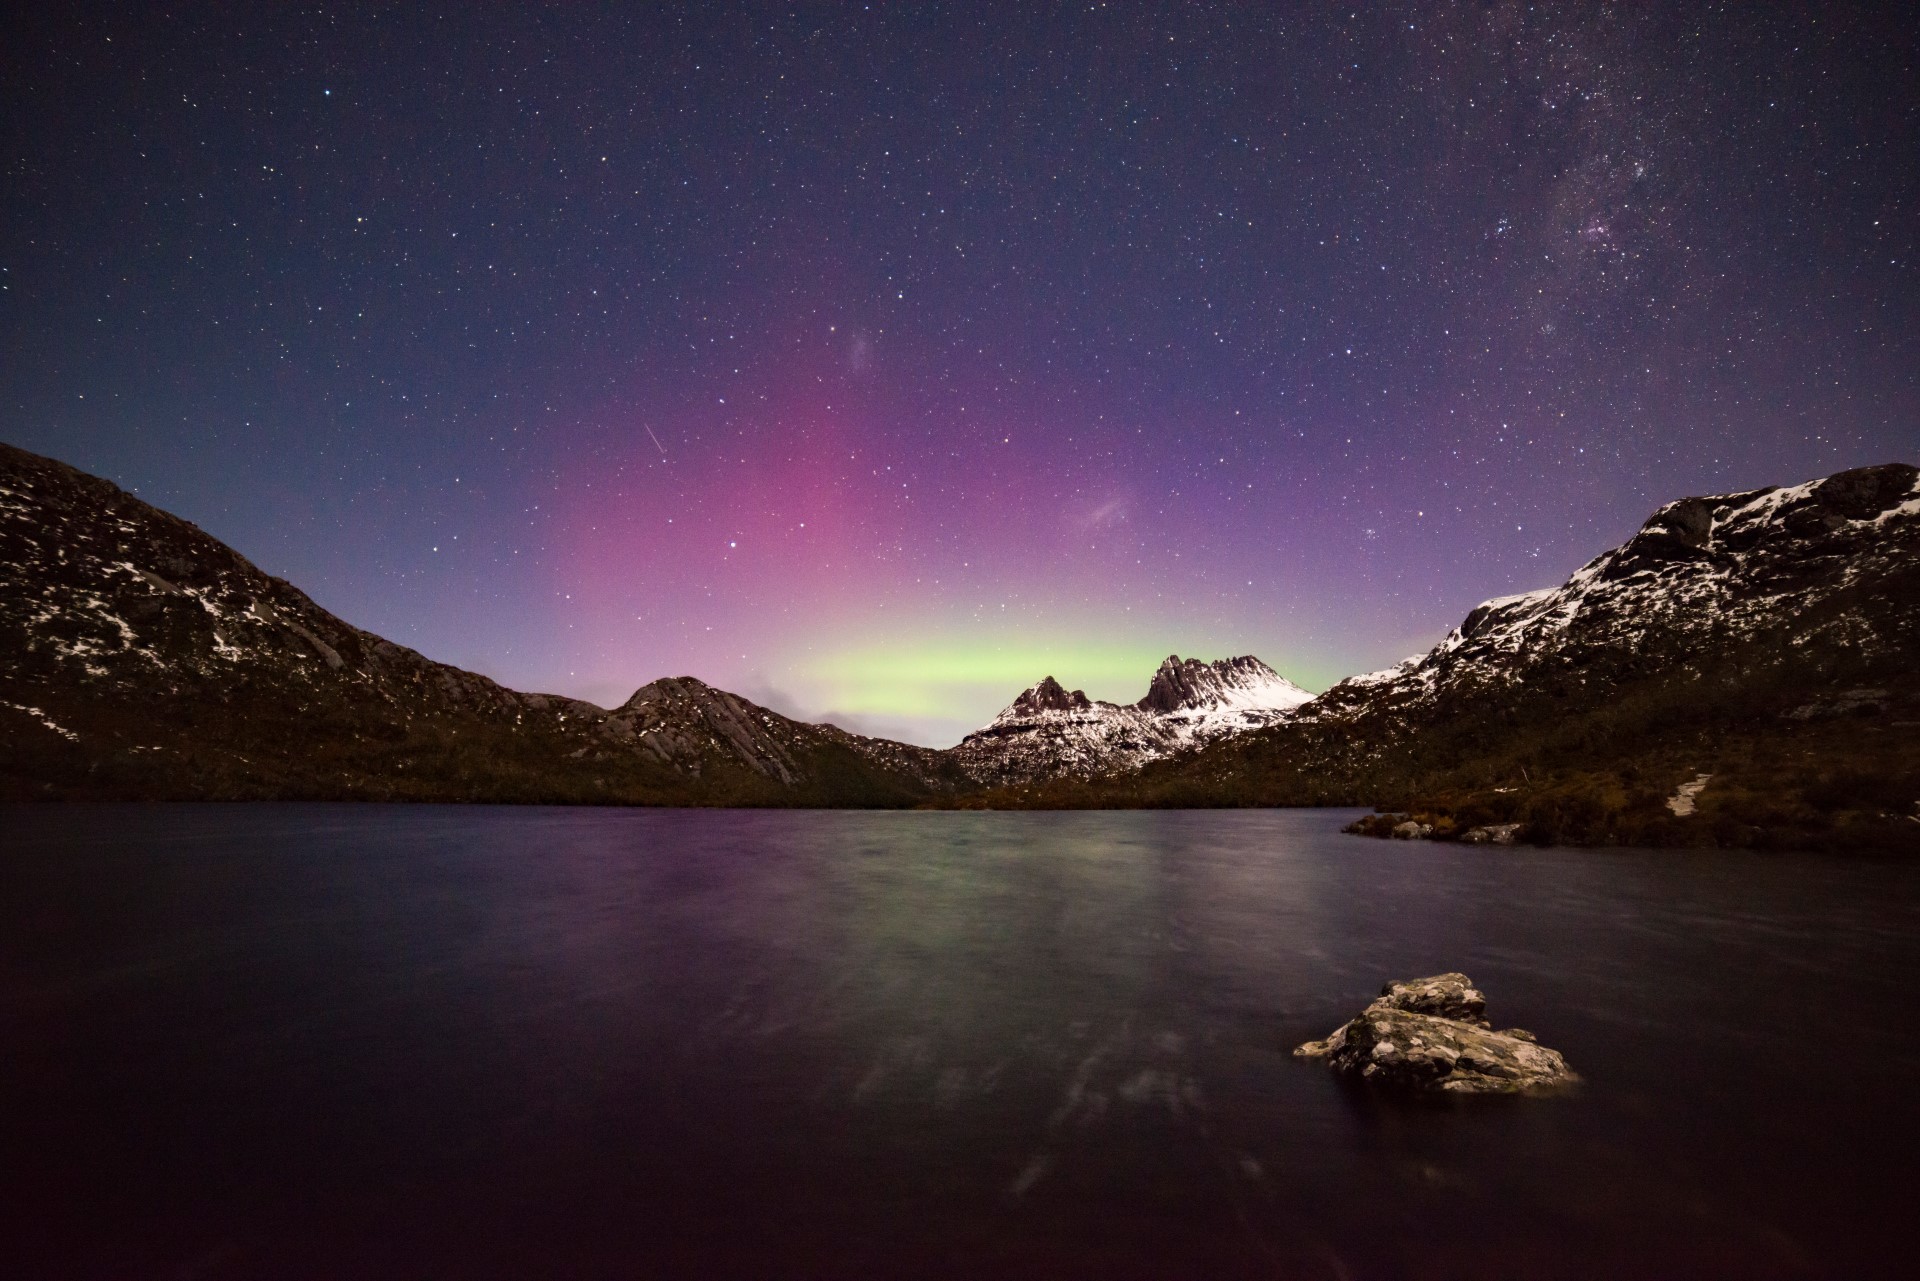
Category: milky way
[876,362]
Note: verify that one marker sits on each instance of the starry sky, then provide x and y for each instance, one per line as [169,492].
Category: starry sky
[874,361]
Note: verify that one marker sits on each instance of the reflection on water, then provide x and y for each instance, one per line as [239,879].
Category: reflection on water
[332,1040]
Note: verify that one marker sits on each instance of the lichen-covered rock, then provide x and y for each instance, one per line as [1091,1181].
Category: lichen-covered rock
[1395,1042]
[1412,830]
[1492,834]
[1445,996]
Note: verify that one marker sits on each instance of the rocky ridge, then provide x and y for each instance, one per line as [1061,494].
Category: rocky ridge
[1701,574]
[1052,732]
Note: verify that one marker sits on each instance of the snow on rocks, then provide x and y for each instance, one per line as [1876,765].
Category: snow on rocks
[45,720]
[1700,573]
[1682,801]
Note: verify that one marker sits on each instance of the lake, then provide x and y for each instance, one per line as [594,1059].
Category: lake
[375,1041]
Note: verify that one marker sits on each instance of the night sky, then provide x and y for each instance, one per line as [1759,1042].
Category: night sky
[875,361]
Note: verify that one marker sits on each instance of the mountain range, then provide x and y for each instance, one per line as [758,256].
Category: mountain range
[1767,639]
[1761,648]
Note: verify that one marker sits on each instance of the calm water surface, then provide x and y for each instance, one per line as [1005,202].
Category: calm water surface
[361,1041]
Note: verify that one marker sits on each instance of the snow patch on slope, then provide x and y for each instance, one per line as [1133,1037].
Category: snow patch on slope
[45,720]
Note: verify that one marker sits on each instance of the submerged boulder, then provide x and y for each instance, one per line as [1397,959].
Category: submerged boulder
[1428,1035]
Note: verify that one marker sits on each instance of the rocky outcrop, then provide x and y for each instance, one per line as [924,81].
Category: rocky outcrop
[1430,1036]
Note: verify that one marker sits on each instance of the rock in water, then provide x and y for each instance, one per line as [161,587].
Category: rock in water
[1428,1035]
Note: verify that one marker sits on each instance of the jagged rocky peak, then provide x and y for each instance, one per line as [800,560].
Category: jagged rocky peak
[1050,732]
[1049,696]
[1179,683]
[1243,682]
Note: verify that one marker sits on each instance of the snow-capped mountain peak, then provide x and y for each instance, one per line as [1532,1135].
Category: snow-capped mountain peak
[1049,730]
[1228,684]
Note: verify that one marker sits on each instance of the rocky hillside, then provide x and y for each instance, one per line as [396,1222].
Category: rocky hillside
[141,657]
[1050,732]
[681,719]
[1769,640]
[1703,577]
